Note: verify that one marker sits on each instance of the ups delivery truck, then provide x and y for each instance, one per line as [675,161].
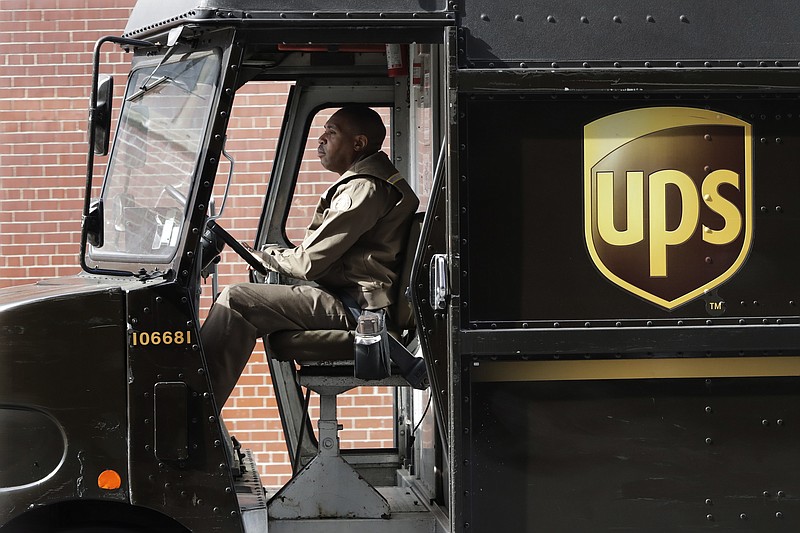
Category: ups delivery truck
[604,288]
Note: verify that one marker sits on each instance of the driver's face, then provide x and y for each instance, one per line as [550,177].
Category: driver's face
[337,149]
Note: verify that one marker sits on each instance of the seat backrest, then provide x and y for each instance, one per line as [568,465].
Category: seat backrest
[401,312]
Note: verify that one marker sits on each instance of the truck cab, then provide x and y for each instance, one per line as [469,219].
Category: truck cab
[139,409]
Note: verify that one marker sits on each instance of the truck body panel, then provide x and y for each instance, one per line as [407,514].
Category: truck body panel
[604,291]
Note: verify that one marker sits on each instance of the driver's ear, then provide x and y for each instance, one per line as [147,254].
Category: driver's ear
[360,142]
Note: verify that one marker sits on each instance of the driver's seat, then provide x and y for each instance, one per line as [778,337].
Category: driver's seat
[326,368]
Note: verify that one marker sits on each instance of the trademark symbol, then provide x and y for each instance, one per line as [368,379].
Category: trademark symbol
[715,308]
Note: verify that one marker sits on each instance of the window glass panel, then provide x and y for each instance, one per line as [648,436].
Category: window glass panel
[157,147]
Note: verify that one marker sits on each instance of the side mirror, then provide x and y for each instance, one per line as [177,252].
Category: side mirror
[93,224]
[101,115]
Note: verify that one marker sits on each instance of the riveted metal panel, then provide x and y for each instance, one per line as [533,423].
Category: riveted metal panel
[62,392]
[185,474]
[155,15]
[670,455]
[560,33]
[524,210]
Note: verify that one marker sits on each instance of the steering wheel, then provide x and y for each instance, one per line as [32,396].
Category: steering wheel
[237,247]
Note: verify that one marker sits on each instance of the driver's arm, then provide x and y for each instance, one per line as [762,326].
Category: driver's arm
[354,208]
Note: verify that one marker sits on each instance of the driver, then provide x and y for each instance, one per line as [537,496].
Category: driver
[352,246]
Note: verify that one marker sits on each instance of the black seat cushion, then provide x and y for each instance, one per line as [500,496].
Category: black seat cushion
[313,345]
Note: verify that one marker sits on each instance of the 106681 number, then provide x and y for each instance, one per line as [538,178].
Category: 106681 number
[154,338]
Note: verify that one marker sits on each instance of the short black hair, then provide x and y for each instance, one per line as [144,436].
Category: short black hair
[366,121]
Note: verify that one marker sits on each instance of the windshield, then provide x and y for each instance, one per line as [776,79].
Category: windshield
[156,149]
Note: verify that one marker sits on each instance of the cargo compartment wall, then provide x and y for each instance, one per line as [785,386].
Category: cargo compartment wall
[647,33]
[548,244]
[649,455]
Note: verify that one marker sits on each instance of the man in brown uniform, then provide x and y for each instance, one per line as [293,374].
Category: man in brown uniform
[352,246]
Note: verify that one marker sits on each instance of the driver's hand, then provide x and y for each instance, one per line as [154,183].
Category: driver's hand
[254,253]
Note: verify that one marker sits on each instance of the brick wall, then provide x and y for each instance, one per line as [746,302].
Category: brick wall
[45,72]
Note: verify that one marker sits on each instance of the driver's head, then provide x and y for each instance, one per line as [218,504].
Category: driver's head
[351,134]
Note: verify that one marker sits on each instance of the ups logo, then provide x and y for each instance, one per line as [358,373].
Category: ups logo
[668,200]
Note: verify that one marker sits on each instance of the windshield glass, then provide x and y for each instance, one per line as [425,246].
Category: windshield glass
[156,149]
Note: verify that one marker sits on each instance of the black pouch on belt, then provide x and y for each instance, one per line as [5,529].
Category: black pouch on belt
[371,347]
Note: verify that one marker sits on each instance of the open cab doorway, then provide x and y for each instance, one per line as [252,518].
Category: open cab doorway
[408,472]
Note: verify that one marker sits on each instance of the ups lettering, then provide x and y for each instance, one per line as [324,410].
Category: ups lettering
[658,223]
[656,205]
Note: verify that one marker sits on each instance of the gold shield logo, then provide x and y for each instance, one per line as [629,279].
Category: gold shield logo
[668,200]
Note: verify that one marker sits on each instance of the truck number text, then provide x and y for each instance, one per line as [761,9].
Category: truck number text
[144,338]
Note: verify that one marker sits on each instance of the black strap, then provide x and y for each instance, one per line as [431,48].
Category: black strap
[400,355]
[350,303]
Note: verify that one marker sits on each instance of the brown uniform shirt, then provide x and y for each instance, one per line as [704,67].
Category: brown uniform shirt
[357,235]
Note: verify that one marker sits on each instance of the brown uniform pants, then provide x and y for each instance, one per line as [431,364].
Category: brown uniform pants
[245,312]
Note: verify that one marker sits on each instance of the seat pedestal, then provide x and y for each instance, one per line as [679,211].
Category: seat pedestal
[328,487]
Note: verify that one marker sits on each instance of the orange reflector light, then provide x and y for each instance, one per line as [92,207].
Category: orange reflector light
[109,480]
